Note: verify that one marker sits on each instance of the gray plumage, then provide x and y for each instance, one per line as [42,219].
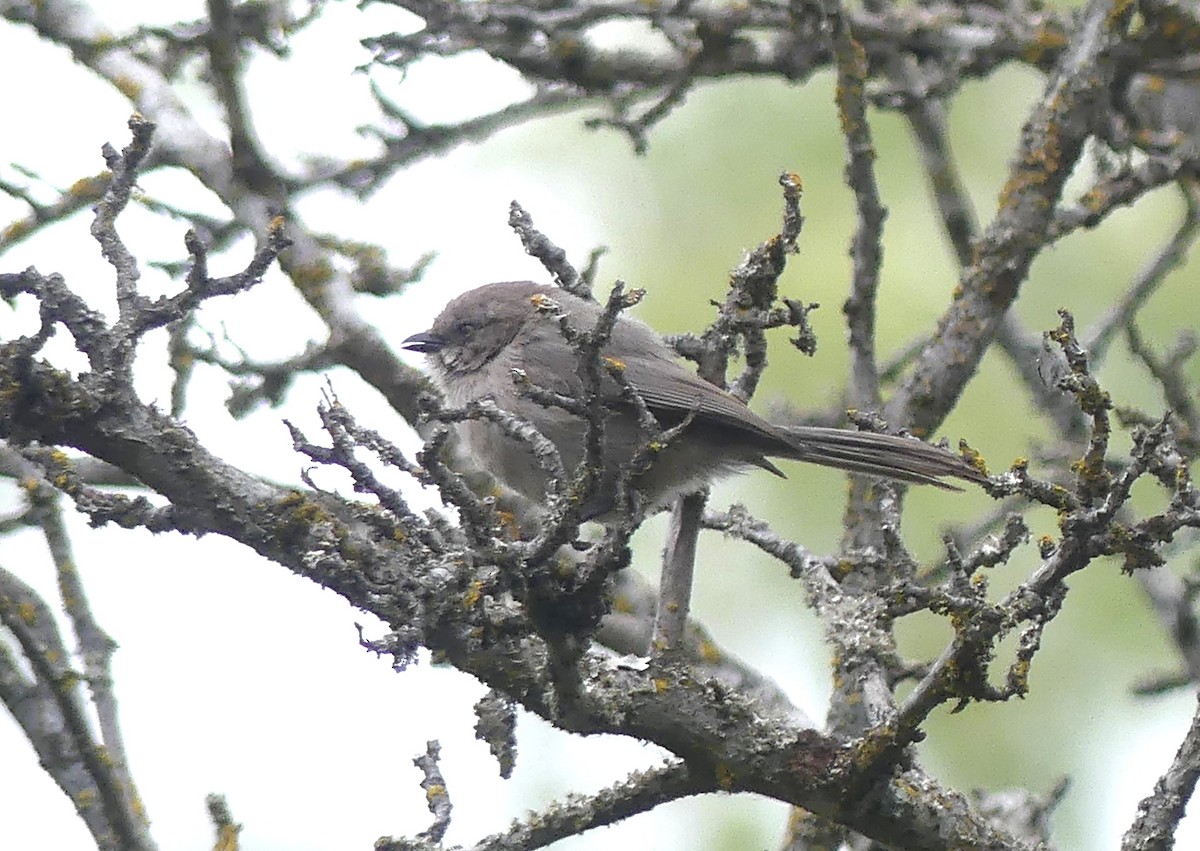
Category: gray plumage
[483,335]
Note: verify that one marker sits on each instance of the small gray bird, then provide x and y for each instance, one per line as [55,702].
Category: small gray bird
[485,334]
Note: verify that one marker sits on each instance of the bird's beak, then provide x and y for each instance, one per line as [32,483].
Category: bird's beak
[425,342]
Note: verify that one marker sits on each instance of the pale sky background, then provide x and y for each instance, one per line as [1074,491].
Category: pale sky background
[235,676]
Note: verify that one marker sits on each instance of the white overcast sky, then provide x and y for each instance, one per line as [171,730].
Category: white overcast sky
[235,676]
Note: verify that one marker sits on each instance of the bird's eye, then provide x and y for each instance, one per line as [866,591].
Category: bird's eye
[462,328]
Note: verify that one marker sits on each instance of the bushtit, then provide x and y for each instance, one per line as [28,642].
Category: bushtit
[482,336]
[1166,110]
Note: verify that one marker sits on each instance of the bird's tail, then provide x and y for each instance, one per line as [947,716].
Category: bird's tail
[905,458]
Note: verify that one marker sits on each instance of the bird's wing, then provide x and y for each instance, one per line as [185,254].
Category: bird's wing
[670,390]
[673,391]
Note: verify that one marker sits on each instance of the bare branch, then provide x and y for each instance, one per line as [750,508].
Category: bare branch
[1170,256]
[50,710]
[551,256]
[1159,814]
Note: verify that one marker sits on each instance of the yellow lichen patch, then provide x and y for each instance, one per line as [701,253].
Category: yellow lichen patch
[312,279]
[614,363]
[1045,41]
[27,612]
[301,514]
[88,187]
[16,230]
[1020,675]
[1095,200]
[660,684]
[1118,12]
[842,569]
[797,816]
[303,508]
[567,48]
[724,776]
[543,302]
[973,457]
[227,839]
[508,523]
[709,652]
[474,593]
[129,87]
[435,790]
[1155,83]
[871,748]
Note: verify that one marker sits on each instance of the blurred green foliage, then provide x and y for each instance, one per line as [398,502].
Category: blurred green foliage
[677,219]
